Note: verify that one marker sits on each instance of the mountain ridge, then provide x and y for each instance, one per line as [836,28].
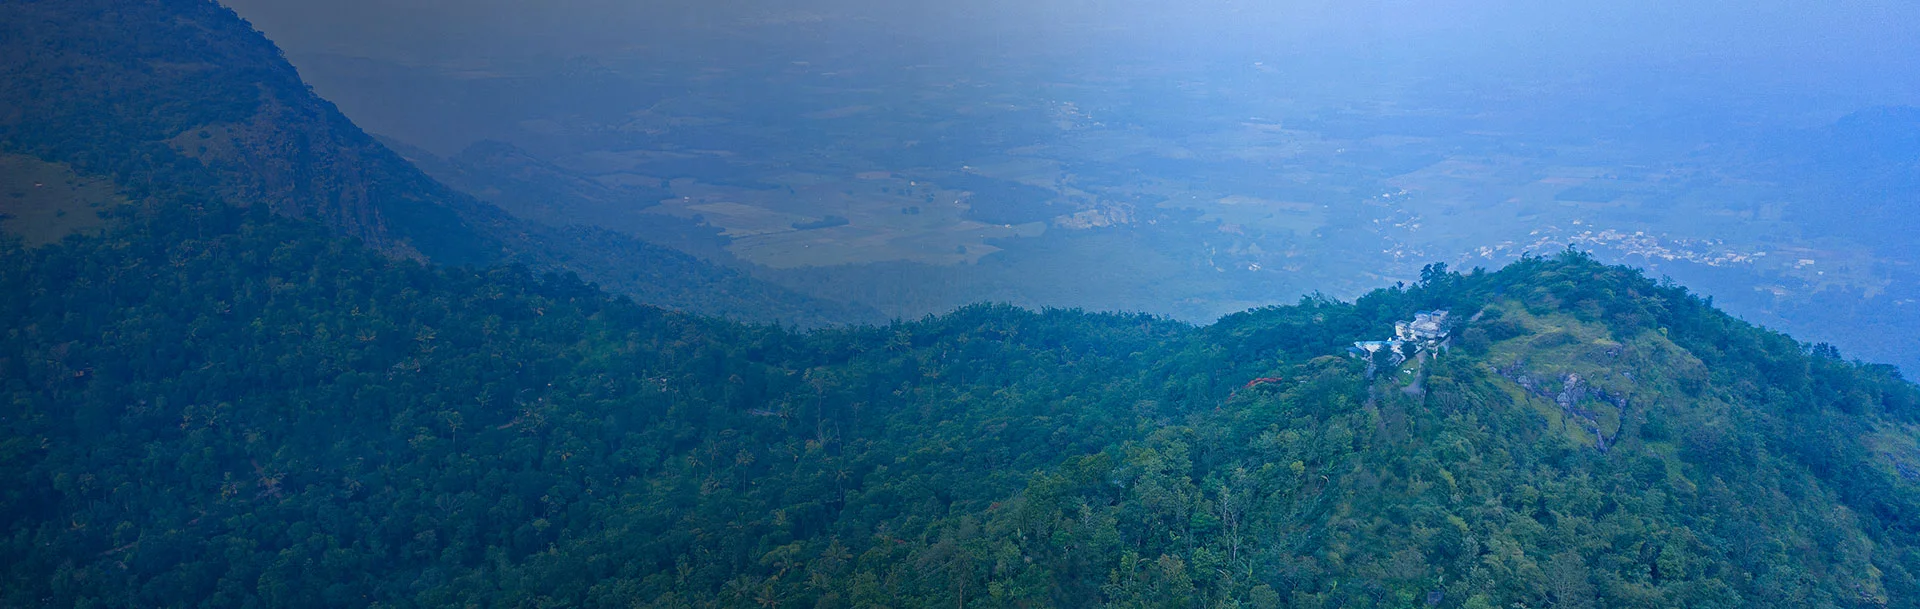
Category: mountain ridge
[183,100]
[272,415]
[242,126]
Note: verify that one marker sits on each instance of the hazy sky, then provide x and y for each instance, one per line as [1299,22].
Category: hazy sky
[1783,30]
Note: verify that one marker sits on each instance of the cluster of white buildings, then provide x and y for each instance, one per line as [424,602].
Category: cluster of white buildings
[1427,331]
[1426,327]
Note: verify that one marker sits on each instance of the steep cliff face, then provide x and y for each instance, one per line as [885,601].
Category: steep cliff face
[184,95]
[310,174]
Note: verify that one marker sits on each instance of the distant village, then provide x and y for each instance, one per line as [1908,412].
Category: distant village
[1427,331]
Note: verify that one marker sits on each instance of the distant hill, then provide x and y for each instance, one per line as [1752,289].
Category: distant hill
[225,408]
[178,100]
[1858,176]
[1858,180]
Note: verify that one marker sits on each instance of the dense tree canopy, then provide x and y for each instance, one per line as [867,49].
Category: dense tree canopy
[225,408]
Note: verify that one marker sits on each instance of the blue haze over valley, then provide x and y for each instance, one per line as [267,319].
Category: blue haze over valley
[1189,160]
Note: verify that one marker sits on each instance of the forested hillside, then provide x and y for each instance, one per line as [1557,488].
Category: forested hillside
[225,408]
[289,370]
[182,100]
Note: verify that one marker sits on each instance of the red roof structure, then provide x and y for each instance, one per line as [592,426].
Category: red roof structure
[1262,381]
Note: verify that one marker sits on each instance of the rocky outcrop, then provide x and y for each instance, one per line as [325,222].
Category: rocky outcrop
[1573,393]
